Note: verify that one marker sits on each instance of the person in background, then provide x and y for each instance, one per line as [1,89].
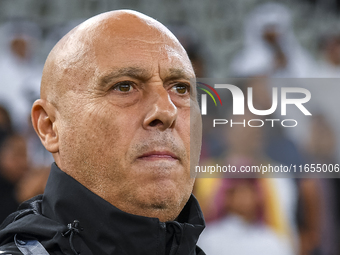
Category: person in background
[245,147]
[5,123]
[270,46]
[20,74]
[319,231]
[19,179]
[20,70]
[272,50]
[329,63]
[13,167]
[241,230]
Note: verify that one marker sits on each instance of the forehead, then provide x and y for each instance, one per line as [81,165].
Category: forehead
[150,56]
[134,42]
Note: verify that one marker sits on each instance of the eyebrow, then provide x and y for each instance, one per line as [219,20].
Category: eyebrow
[175,73]
[134,72]
[142,74]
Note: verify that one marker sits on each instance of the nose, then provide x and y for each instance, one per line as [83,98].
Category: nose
[162,112]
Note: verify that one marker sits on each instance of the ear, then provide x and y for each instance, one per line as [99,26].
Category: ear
[43,120]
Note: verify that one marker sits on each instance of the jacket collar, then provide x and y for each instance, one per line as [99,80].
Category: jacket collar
[108,230]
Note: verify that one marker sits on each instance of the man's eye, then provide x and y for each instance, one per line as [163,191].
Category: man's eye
[181,89]
[123,86]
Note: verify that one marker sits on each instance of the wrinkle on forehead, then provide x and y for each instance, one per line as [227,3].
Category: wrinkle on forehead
[72,62]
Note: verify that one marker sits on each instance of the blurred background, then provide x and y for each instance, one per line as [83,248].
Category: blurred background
[253,39]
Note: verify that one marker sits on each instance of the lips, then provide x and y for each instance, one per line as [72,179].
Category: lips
[158,155]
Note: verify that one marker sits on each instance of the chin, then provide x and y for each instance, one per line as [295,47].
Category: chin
[164,201]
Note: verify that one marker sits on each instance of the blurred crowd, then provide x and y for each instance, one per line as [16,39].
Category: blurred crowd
[244,216]
[276,215]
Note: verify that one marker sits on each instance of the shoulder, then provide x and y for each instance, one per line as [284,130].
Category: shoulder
[23,247]
[9,249]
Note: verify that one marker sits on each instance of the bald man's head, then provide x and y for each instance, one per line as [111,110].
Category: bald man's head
[73,59]
[115,110]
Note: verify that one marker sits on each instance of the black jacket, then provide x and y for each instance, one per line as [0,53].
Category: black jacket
[69,219]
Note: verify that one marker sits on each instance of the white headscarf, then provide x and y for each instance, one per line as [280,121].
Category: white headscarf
[19,77]
[257,57]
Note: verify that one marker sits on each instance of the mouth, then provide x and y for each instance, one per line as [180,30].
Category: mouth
[158,155]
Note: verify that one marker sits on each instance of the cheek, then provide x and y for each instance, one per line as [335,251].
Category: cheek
[183,125]
[195,134]
[94,136]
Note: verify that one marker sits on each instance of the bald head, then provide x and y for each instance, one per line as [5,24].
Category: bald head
[77,55]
